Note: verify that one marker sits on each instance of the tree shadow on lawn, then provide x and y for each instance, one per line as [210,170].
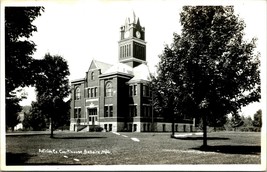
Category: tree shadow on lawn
[94,137]
[201,138]
[232,149]
[17,158]
[13,159]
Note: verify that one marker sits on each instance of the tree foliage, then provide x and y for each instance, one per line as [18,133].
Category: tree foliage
[209,69]
[257,119]
[18,54]
[18,47]
[34,119]
[52,87]
[236,121]
[12,110]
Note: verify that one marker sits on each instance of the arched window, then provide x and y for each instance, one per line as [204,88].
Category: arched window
[92,76]
[108,89]
[77,93]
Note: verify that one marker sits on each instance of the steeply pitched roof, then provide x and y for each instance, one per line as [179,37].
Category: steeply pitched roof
[99,65]
[119,68]
[141,73]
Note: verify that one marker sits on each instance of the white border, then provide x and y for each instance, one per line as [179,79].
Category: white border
[245,167]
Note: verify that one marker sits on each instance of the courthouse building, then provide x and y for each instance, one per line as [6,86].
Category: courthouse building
[117,97]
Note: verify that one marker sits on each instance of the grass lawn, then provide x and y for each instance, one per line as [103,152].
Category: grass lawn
[99,148]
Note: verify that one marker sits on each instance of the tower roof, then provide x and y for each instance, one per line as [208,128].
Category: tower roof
[132,19]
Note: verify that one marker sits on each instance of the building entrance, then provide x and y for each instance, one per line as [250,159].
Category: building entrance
[92,116]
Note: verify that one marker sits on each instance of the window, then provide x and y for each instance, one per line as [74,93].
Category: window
[144,129]
[108,111]
[135,90]
[110,127]
[126,50]
[135,127]
[146,110]
[130,50]
[92,76]
[130,90]
[111,111]
[108,89]
[77,93]
[163,127]
[77,113]
[145,91]
[88,92]
[92,92]
[95,91]
[106,127]
[130,127]
[92,111]
[133,110]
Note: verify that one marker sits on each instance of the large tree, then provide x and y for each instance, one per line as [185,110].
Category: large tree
[18,54]
[211,69]
[52,87]
[18,47]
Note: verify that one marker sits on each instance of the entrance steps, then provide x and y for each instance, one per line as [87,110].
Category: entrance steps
[82,128]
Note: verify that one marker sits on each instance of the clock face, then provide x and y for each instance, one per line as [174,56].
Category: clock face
[126,34]
[138,34]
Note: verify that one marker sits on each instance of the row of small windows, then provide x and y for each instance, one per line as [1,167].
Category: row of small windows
[108,111]
[92,92]
[146,111]
[133,90]
[125,51]
[146,127]
[132,127]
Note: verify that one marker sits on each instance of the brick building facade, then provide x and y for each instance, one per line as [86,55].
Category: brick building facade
[117,97]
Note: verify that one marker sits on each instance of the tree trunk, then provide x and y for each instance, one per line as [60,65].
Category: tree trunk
[204,131]
[52,128]
[173,128]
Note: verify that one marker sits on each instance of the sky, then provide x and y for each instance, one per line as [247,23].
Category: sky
[80,30]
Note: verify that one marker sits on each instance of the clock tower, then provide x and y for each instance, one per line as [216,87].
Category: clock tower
[132,45]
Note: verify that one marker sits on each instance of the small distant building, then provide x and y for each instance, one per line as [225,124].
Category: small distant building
[117,97]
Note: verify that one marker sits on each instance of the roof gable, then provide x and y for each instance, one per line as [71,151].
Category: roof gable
[99,65]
